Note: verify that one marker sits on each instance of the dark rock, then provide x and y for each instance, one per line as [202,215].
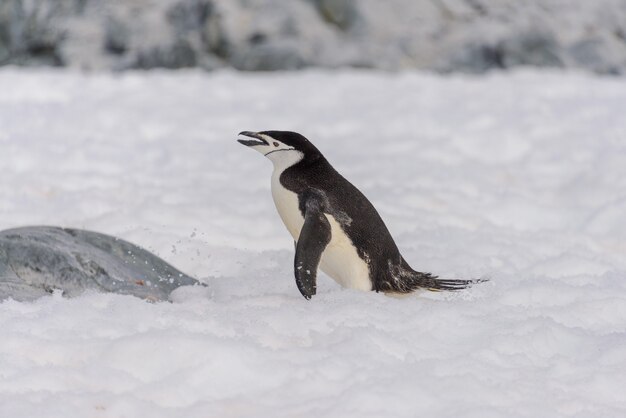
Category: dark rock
[35,261]
[341,13]
[594,54]
[179,55]
[200,37]
[474,58]
[257,38]
[213,37]
[116,37]
[269,56]
[190,15]
[30,33]
[530,48]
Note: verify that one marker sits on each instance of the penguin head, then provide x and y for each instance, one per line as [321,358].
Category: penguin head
[281,147]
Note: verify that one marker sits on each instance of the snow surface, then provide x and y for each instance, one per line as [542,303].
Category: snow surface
[518,177]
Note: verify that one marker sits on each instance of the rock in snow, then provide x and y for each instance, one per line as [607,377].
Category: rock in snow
[441,35]
[35,261]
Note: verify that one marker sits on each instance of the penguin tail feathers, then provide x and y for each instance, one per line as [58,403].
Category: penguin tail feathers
[403,279]
[419,280]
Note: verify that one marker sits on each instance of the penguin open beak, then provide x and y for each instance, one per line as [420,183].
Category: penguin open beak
[251,139]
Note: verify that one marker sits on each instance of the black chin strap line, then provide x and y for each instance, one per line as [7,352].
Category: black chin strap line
[277,150]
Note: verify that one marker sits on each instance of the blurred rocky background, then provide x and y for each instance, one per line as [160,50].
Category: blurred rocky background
[442,35]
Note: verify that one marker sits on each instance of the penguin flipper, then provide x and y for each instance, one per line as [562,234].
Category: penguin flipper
[314,237]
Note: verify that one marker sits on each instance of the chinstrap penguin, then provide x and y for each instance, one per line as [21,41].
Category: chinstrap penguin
[333,224]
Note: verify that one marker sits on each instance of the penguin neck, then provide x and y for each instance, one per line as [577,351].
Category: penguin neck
[282,160]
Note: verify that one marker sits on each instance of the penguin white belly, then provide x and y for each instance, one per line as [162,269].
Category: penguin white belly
[287,205]
[340,259]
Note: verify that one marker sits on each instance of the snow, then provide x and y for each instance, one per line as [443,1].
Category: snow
[518,177]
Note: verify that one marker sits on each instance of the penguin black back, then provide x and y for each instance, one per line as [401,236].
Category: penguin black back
[369,233]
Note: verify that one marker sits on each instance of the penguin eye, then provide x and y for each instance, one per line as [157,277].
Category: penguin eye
[275,144]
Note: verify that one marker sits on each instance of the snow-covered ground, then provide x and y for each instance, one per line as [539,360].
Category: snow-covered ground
[518,177]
